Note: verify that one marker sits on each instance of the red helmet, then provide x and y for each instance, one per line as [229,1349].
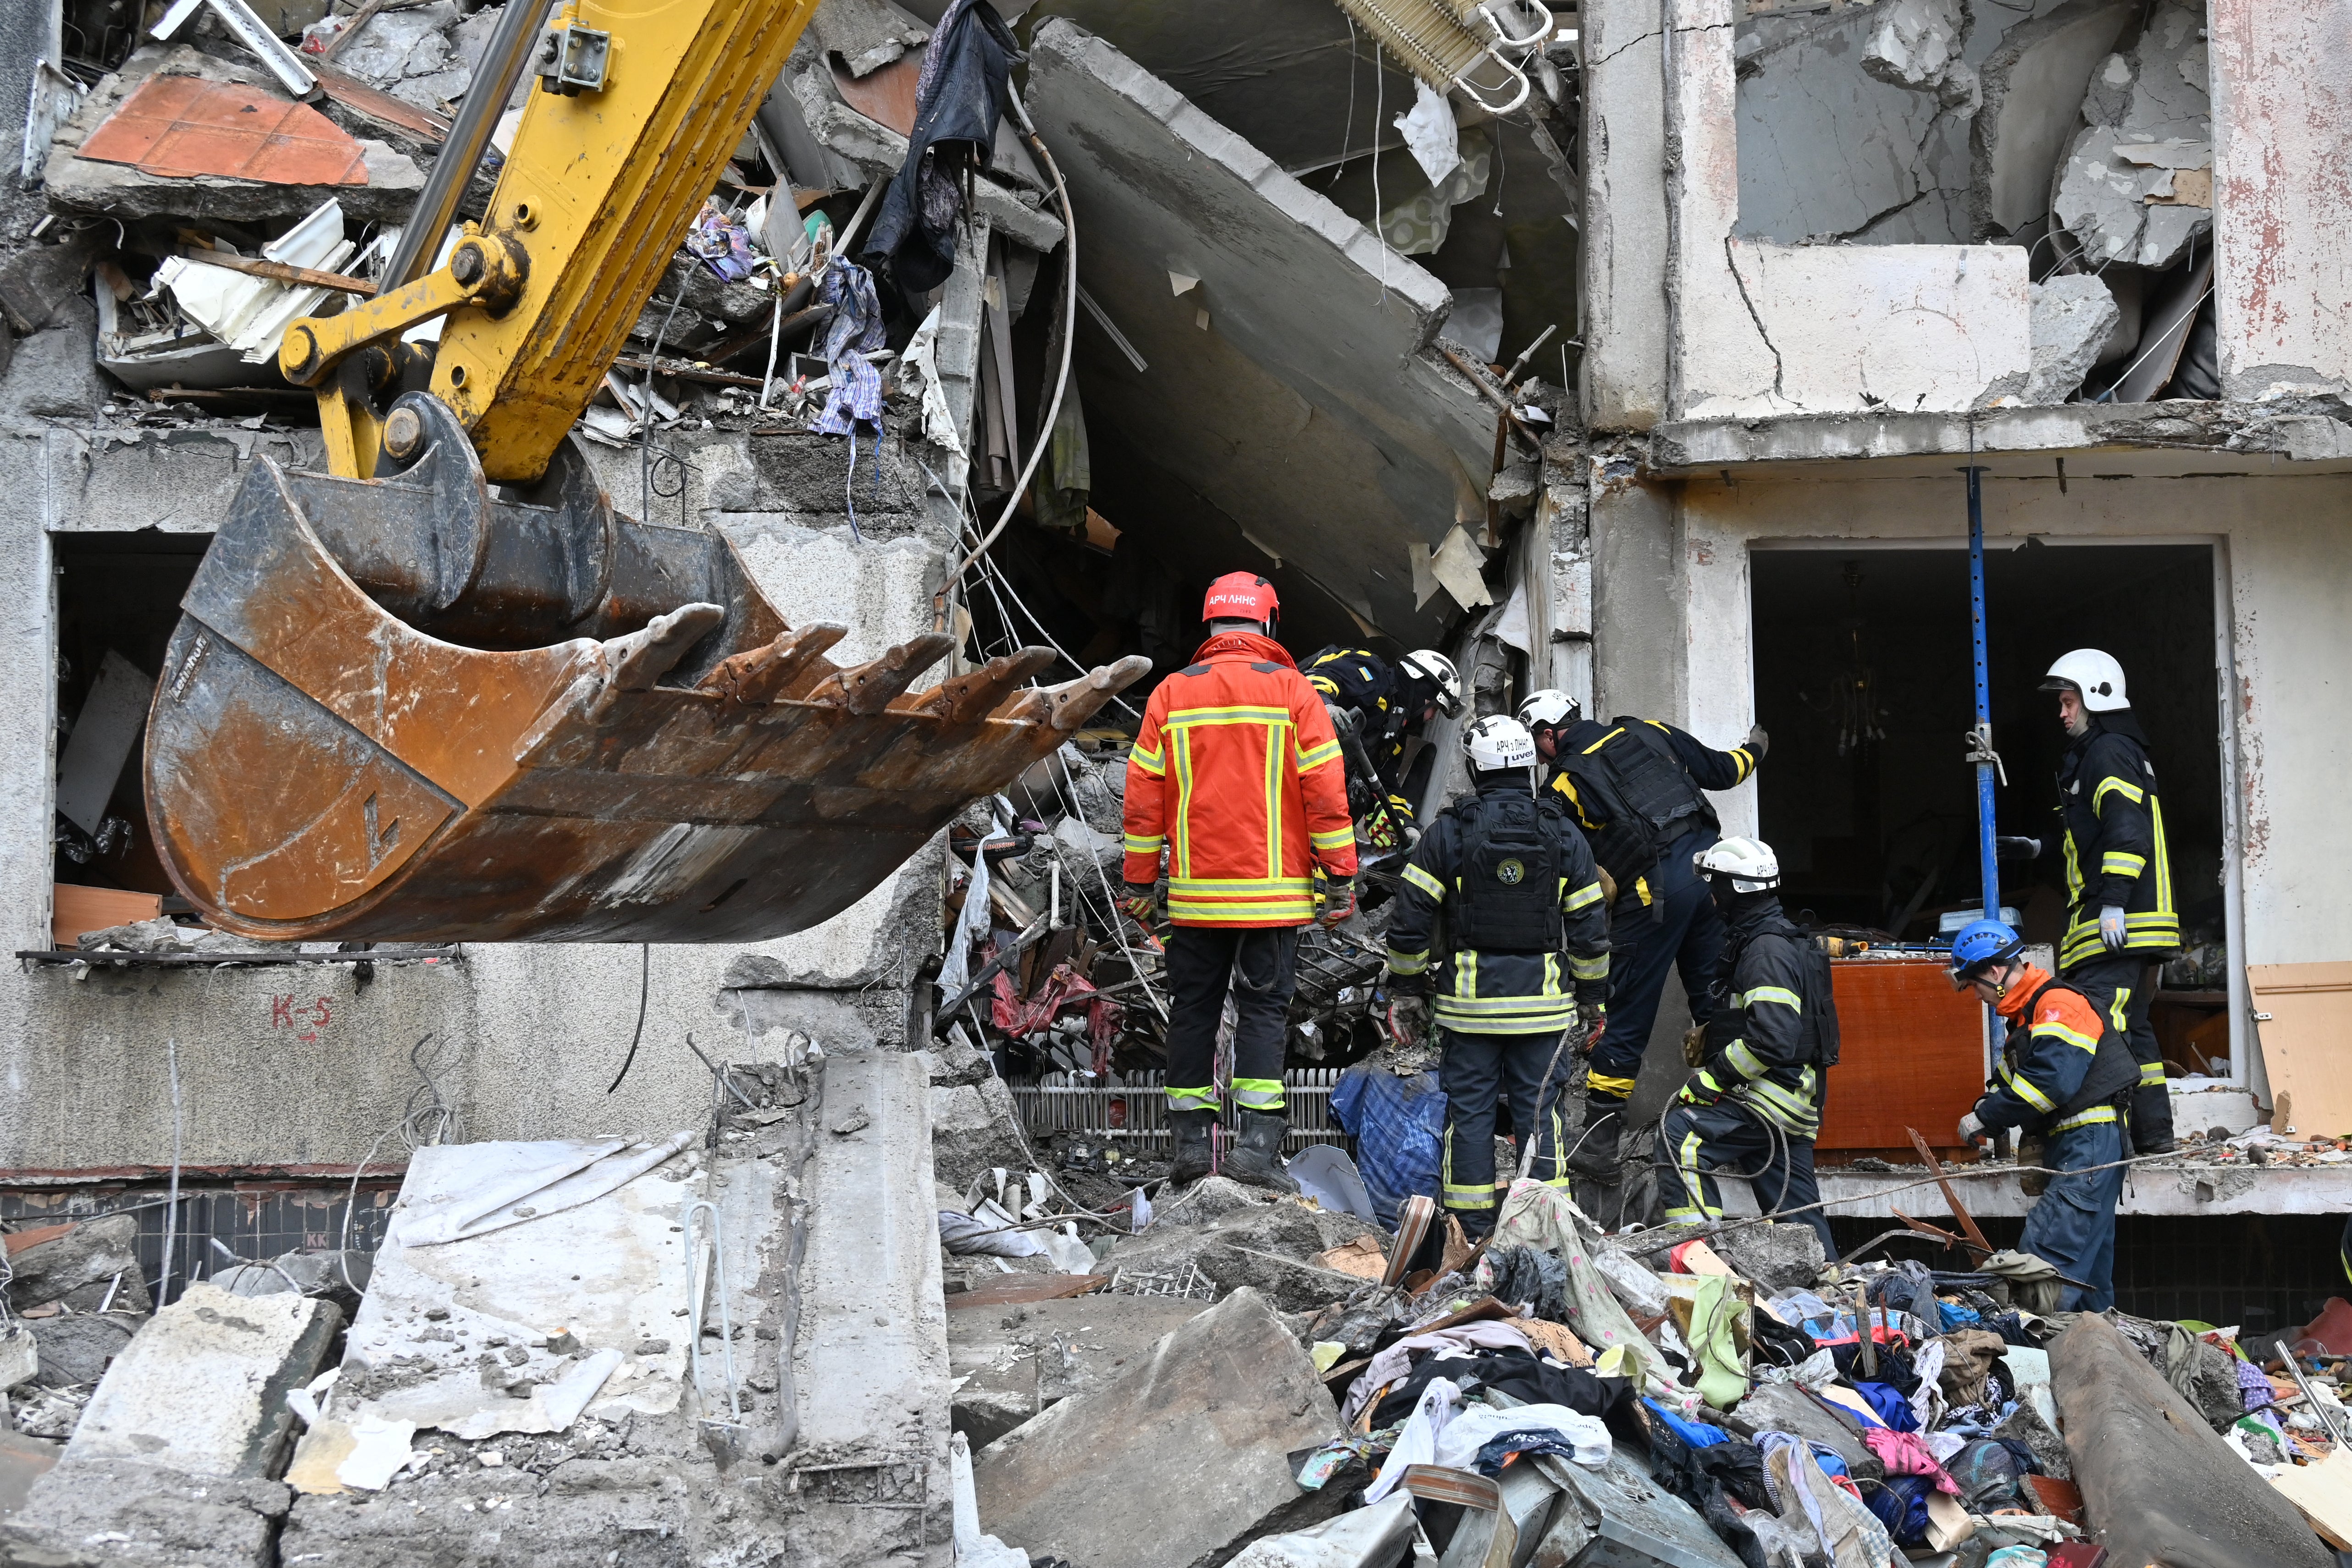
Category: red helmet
[1240,596]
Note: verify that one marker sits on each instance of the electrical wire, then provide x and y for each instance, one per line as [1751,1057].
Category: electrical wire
[645,983]
[171,1210]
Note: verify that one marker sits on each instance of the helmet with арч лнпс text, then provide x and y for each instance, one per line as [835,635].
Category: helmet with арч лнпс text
[1242,596]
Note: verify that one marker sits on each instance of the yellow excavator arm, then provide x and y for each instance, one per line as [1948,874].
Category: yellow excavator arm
[401,705]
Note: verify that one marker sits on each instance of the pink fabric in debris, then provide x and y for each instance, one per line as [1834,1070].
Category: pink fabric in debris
[1904,1454]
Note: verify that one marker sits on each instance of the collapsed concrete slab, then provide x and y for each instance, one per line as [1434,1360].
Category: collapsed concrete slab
[2073,316]
[1292,396]
[94,1251]
[119,1512]
[2033,86]
[1011,1363]
[2137,185]
[2157,1485]
[1204,1427]
[1243,1236]
[202,1389]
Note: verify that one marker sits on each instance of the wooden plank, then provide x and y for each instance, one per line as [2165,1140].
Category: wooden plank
[2304,1021]
[1015,1289]
[76,909]
[1951,1197]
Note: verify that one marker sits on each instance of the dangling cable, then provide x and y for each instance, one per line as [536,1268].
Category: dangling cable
[645,980]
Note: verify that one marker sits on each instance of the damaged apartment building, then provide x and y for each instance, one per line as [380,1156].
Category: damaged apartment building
[1659,352]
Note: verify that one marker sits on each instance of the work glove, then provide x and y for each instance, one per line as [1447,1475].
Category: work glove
[1138,902]
[2011,848]
[1972,1128]
[2111,928]
[1338,903]
[1695,1045]
[1700,1089]
[1408,1019]
[1758,741]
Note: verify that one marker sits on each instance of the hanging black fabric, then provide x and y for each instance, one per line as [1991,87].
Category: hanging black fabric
[963,91]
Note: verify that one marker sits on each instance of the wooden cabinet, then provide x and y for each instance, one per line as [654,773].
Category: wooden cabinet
[1911,1054]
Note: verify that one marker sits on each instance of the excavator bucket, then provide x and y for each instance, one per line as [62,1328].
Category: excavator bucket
[400,709]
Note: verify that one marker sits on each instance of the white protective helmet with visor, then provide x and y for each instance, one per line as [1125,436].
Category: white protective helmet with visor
[1750,863]
[1434,667]
[1549,709]
[2097,676]
[1497,742]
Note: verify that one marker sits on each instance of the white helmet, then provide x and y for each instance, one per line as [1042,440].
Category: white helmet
[1750,863]
[2094,674]
[1497,741]
[1549,709]
[1433,666]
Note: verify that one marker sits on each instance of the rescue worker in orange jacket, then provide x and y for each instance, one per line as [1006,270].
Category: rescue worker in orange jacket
[1237,774]
[2062,1074]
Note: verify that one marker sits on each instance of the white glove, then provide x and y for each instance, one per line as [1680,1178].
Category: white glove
[2111,928]
[1972,1127]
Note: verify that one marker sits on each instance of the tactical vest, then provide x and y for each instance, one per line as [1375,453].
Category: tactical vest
[1649,795]
[2113,1073]
[1819,1037]
[1511,867]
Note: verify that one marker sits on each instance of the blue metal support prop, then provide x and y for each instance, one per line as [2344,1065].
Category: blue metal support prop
[1984,752]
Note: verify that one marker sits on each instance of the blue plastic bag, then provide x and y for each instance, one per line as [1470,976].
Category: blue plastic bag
[1399,1125]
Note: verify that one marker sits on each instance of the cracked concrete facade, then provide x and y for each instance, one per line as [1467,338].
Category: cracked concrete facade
[1747,393]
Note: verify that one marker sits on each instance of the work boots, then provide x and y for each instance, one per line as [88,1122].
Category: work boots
[1594,1150]
[1191,1139]
[1257,1157]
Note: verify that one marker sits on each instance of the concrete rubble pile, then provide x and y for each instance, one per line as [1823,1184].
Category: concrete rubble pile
[686,1344]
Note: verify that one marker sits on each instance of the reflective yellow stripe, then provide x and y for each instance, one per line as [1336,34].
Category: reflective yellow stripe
[2024,1091]
[1327,752]
[1740,1059]
[1780,994]
[1551,975]
[1151,762]
[1588,968]
[1194,717]
[1745,764]
[1192,1099]
[1687,1168]
[1408,963]
[1531,1015]
[2097,1114]
[2151,1073]
[1139,845]
[1602,1083]
[1589,894]
[1274,746]
[1258,1093]
[1604,741]
[2060,1032]
[2116,863]
[1276,913]
[1218,886]
[2131,792]
[1180,750]
[1332,840]
[1465,973]
[1426,882]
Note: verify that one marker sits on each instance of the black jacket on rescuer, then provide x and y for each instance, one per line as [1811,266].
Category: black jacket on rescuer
[1620,781]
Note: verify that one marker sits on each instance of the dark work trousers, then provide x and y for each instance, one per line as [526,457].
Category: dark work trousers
[2073,1226]
[2118,985]
[1688,937]
[1483,1073]
[1259,964]
[1700,1139]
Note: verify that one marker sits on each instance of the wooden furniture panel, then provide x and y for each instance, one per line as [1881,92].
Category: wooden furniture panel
[1911,1054]
[76,909]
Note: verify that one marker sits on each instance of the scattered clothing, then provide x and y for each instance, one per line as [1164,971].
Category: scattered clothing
[1904,1454]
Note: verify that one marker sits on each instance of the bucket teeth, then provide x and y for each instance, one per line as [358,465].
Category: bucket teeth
[968,698]
[1073,703]
[871,687]
[761,675]
[645,656]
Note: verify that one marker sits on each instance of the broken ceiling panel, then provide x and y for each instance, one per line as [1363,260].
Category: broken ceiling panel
[1312,409]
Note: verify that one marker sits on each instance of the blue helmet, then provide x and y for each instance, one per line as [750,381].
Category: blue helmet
[1983,942]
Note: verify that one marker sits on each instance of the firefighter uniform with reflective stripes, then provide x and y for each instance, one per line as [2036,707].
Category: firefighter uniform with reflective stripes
[1360,679]
[1236,775]
[1755,1104]
[2116,859]
[2061,1074]
[1637,788]
[1526,949]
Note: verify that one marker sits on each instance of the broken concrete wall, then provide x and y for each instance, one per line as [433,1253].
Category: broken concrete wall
[1628,315]
[1762,328]
[2282,77]
[1291,388]
[2137,184]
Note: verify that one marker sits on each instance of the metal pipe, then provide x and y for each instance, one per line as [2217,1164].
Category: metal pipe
[501,65]
[1987,866]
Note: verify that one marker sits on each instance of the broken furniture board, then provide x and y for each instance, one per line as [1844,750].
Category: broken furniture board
[1203,1427]
[251,314]
[2033,86]
[1313,413]
[202,1389]
[385,188]
[870,1360]
[104,731]
[495,1331]
[2304,1021]
[2158,1485]
[74,909]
